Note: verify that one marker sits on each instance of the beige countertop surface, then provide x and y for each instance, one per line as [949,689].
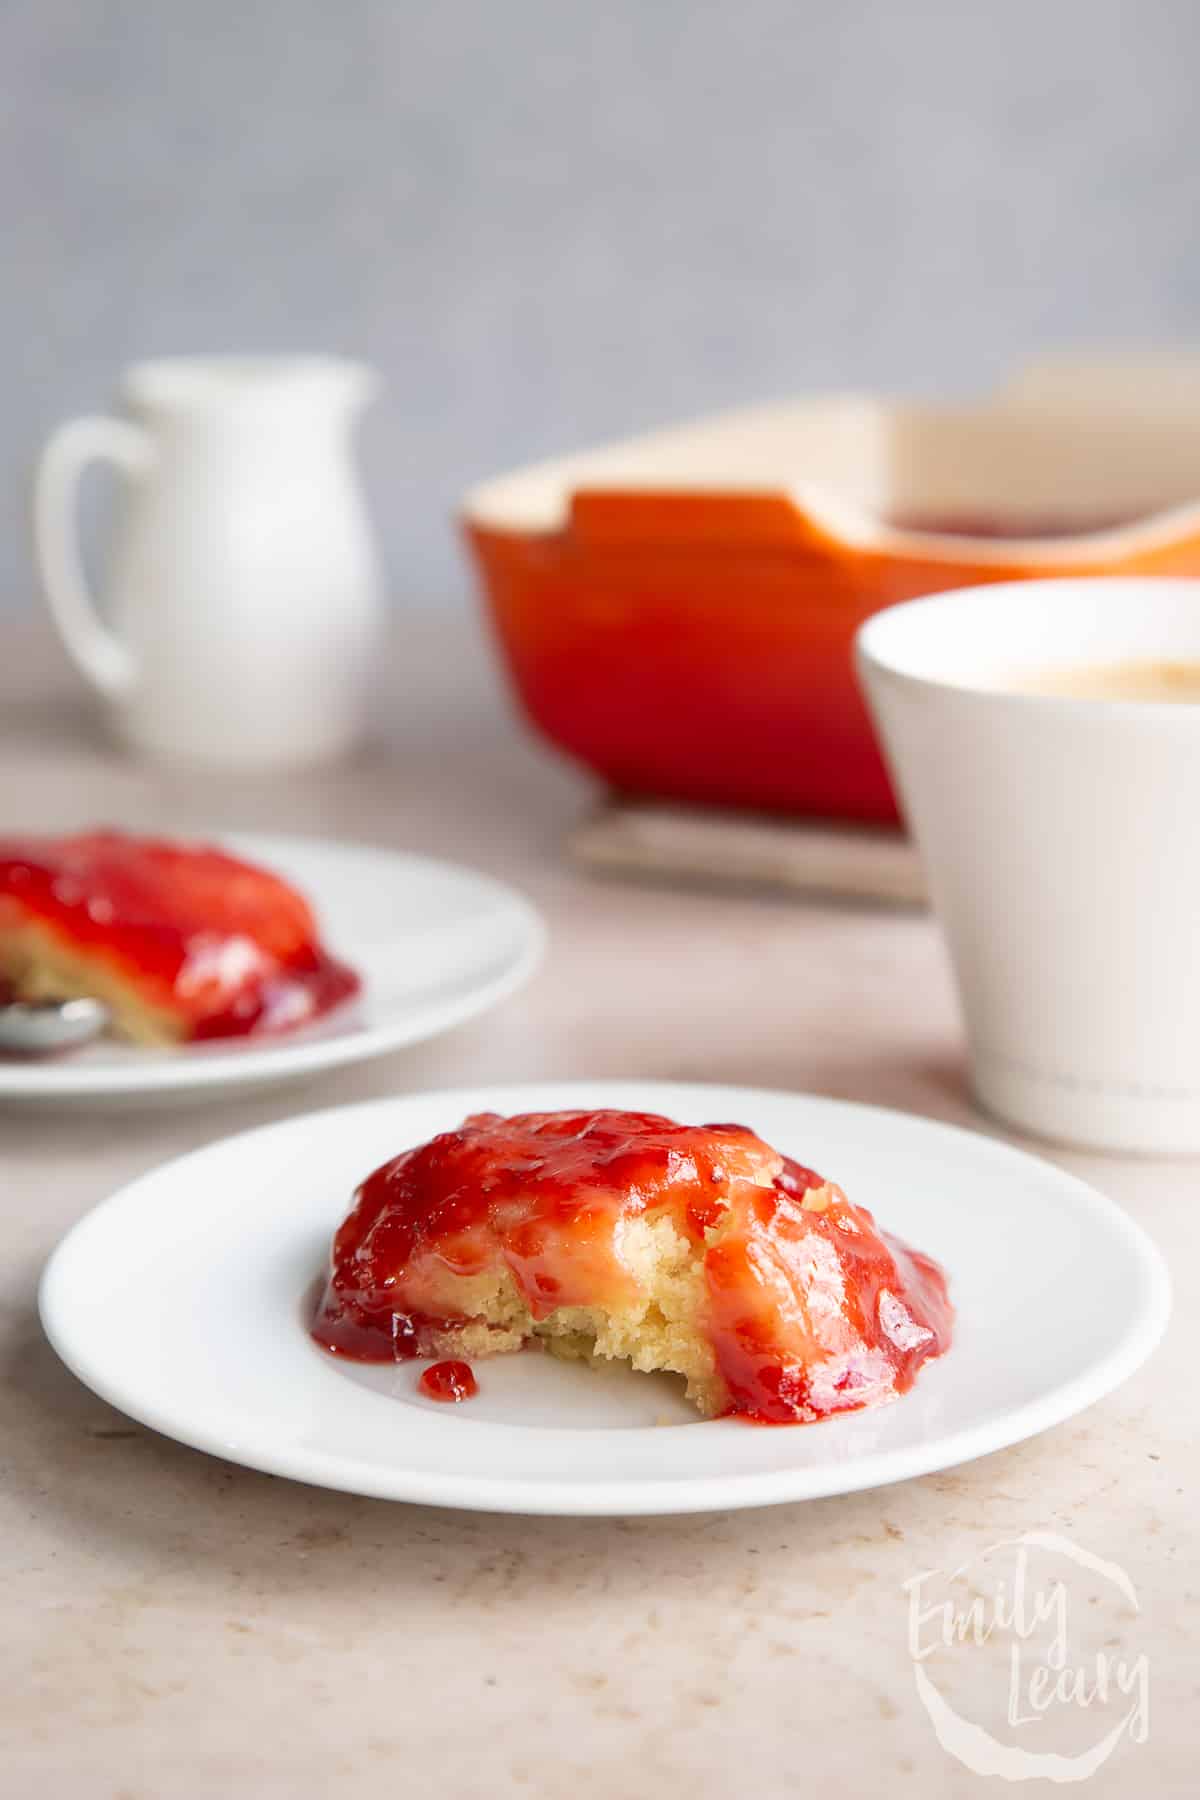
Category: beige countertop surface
[177,1626]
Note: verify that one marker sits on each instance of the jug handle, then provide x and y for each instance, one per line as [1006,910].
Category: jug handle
[96,650]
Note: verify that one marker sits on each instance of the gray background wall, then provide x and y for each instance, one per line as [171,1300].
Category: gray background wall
[549,222]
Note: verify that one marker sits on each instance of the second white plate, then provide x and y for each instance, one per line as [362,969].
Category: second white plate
[434,943]
[184,1299]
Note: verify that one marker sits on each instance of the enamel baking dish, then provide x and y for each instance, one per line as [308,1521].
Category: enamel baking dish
[677,611]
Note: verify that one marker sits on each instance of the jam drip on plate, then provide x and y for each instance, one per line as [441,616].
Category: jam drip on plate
[809,1309]
[449,1381]
[211,946]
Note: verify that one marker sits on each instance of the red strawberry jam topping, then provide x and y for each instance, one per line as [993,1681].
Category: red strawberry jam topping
[809,1308]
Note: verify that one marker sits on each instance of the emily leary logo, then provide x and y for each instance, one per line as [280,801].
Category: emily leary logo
[1055,1682]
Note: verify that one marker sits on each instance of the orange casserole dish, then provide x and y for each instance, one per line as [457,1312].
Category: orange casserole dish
[677,612]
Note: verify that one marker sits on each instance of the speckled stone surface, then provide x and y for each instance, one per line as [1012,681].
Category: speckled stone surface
[177,1627]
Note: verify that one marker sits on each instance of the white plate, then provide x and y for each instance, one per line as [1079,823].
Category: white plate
[435,944]
[182,1299]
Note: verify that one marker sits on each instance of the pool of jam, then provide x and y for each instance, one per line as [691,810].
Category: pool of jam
[228,949]
[810,1309]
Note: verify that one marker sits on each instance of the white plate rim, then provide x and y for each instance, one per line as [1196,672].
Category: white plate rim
[621,1497]
[288,1058]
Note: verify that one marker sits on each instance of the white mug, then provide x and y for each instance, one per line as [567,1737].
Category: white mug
[243,616]
[1061,838]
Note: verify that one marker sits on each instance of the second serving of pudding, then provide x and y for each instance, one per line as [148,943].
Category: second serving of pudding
[612,1235]
[183,942]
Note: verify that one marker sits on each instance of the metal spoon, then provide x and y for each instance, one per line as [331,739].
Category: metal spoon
[45,1027]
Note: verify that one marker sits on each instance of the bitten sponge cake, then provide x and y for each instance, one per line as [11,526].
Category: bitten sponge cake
[180,941]
[601,1235]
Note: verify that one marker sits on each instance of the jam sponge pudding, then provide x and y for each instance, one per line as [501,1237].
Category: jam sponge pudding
[180,941]
[697,1249]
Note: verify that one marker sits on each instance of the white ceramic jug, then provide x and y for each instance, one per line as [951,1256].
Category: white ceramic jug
[243,610]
